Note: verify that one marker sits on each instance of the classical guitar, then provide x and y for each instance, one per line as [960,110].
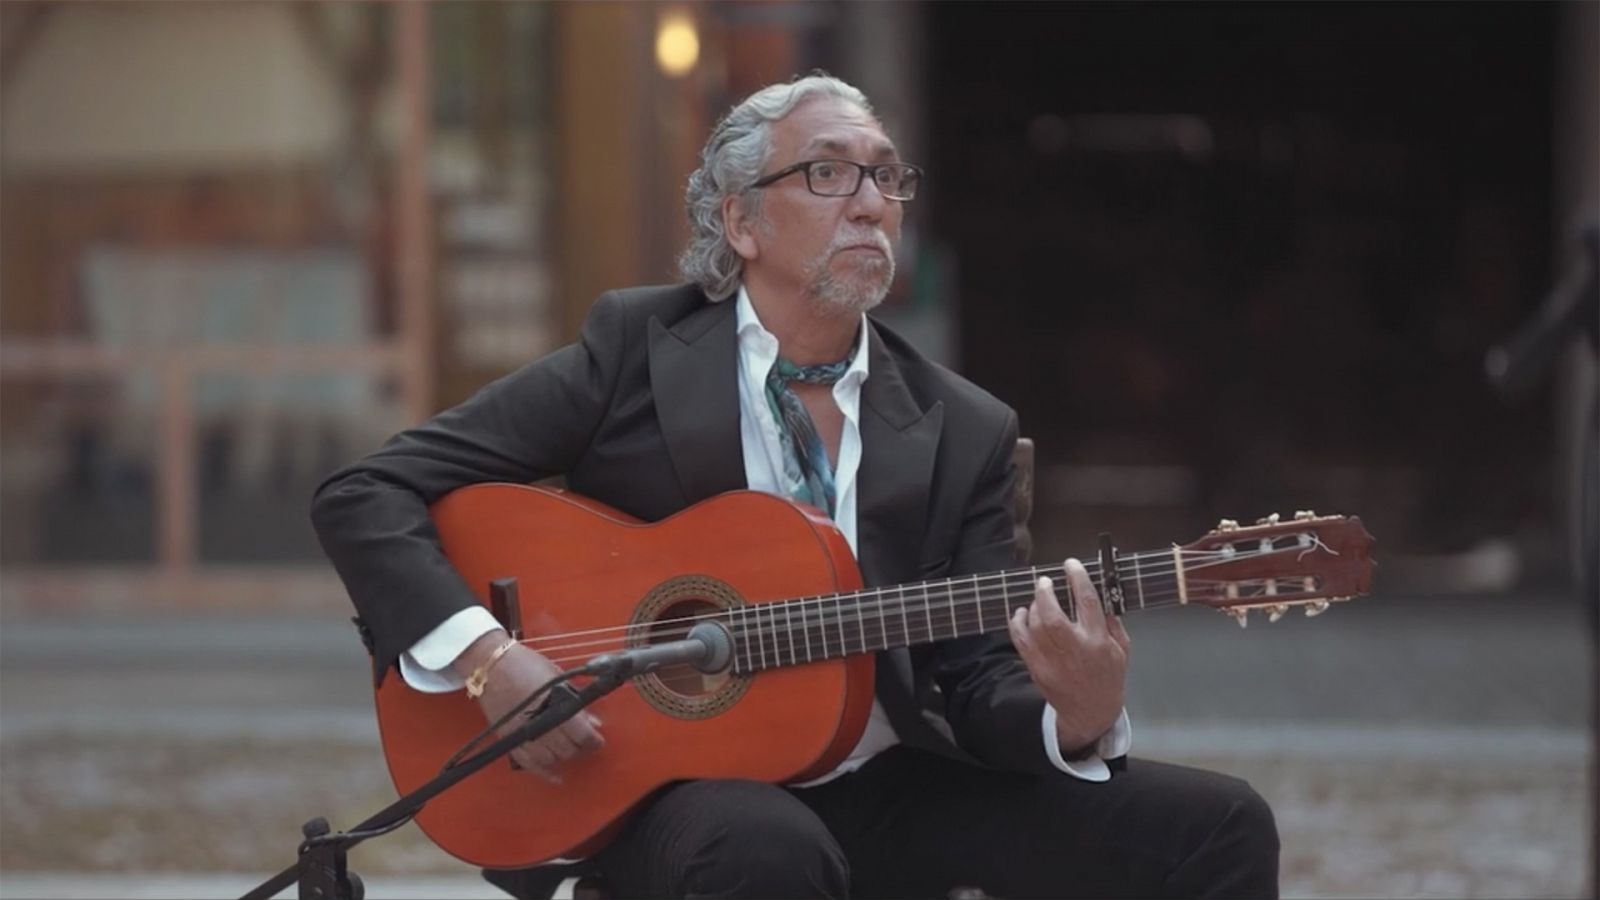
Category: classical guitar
[780,579]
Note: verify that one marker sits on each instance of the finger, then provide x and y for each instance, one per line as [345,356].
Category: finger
[536,760]
[1046,611]
[1019,627]
[559,744]
[1119,633]
[583,734]
[1022,637]
[1090,613]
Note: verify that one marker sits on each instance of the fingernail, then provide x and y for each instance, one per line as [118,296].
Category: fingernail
[1045,582]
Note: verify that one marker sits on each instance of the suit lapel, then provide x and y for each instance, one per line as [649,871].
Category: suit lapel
[694,370]
[899,443]
[693,373]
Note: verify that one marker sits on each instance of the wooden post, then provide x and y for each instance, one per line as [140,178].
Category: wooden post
[413,245]
[600,64]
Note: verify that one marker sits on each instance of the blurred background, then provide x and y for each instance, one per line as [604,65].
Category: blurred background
[1224,259]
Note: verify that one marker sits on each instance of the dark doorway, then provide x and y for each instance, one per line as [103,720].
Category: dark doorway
[1265,244]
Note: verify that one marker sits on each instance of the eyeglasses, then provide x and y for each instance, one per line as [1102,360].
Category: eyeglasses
[842,178]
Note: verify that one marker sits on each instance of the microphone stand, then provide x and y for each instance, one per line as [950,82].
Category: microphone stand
[322,870]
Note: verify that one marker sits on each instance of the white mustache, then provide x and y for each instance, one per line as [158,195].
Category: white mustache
[875,238]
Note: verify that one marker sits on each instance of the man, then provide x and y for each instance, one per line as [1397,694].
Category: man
[766,373]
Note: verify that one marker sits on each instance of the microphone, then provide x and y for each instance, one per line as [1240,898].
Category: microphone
[708,648]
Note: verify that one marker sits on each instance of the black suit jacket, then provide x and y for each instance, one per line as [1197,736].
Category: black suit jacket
[642,413]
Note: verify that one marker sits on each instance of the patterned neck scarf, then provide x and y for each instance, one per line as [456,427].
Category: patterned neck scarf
[806,470]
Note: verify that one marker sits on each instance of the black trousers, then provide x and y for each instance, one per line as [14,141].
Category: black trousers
[915,824]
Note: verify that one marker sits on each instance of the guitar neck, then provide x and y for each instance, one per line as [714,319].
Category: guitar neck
[807,629]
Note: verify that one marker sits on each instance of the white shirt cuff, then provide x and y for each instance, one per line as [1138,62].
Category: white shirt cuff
[1113,744]
[426,666]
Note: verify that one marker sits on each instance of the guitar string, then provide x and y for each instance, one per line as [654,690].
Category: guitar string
[1198,561]
[784,645]
[872,601]
[952,587]
[965,613]
[757,624]
[963,621]
[893,601]
[810,603]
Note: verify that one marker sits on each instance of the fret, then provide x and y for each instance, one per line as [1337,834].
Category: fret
[1138,580]
[846,621]
[865,617]
[761,636]
[978,599]
[777,633]
[817,612]
[956,626]
[884,626]
[805,628]
[752,632]
[844,644]
[752,635]
[788,627]
[741,642]
[927,610]
[1005,596]
[770,631]
[905,620]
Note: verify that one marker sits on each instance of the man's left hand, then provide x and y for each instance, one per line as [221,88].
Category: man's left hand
[1081,667]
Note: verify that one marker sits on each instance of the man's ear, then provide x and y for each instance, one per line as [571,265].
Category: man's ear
[739,226]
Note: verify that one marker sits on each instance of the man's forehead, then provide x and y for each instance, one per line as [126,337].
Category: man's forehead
[875,145]
[835,126]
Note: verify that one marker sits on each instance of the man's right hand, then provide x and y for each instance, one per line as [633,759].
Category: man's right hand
[519,673]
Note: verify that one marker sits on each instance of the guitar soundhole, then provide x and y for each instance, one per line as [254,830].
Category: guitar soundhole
[666,614]
[686,681]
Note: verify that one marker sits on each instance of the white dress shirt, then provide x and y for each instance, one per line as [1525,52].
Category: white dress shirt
[426,666]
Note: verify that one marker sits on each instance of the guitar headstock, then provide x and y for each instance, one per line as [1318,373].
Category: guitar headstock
[1308,561]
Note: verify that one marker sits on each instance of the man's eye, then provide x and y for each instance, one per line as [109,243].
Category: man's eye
[825,170]
[886,177]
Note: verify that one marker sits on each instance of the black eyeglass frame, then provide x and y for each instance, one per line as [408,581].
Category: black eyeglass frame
[863,171]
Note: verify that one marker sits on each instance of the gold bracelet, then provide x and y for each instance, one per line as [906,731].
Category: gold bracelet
[480,676]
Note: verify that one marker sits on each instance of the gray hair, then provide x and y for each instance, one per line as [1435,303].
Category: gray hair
[731,161]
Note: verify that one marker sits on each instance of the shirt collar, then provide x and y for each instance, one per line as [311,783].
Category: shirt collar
[754,337]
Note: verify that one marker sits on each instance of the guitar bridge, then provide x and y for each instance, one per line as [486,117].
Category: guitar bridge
[506,606]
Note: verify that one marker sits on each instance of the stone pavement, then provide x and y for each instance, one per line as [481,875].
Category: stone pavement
[1419,747]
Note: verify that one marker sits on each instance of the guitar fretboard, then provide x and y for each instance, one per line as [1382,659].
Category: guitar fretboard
[808,629]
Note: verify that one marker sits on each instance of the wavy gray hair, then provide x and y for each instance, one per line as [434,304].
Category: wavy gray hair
[730,162]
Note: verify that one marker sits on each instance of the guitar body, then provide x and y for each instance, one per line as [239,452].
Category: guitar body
[581,566]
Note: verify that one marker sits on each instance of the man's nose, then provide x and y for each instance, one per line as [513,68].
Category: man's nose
[868,203]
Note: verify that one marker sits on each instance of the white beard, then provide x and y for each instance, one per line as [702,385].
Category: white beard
[855,292]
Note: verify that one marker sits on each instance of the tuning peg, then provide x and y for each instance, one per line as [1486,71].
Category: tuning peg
[1227,525]
[1274,613]
[1300,515]
[1242,615]
[1316,608]
[1268,520]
